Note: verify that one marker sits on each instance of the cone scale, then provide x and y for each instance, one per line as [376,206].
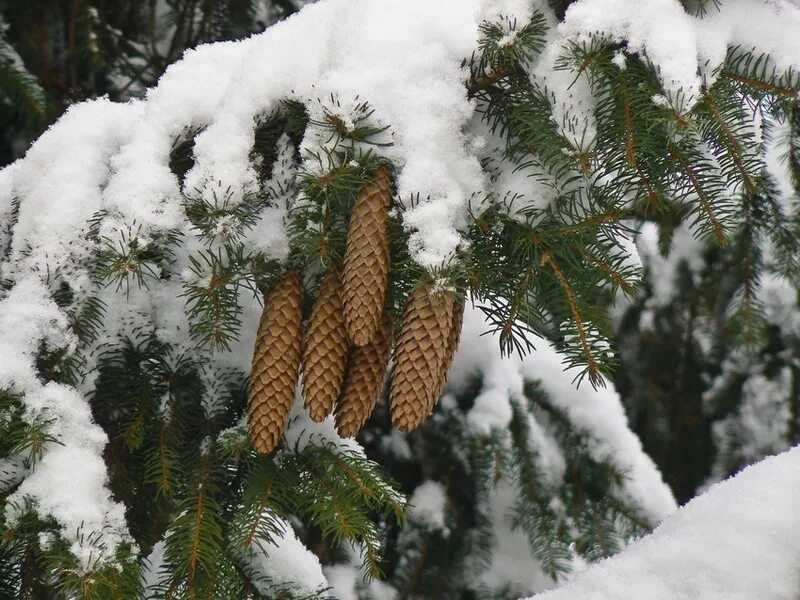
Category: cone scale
[420,356]
[276,362]
[366,259]
[325,350]
[365,373]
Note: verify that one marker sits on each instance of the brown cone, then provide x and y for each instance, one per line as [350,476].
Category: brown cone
[452,342]
[366,260]
[325,351]
[276,362]
[420,354]
[363,382]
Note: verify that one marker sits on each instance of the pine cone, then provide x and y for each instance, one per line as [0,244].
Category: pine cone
[452,342]
[420,355]
[363,382]
[366,260]
[276,362]
[325,351]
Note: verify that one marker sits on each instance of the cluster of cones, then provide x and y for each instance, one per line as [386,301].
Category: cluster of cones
[345,352]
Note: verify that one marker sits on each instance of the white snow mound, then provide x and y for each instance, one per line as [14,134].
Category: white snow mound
[738,541]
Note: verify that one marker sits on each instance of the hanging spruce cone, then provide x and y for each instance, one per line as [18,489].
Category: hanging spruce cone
[452,343]
[325,351]
[276,362]
[365,374]
[420,354]
[366,259]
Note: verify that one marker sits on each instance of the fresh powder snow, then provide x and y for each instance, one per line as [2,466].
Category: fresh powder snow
[738,541]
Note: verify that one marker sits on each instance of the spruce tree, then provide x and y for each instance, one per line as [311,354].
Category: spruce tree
[205,292]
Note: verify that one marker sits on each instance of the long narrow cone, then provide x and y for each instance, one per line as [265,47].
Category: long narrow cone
[365,373]
[452,343]
[366,259]
[420,355]
[276,362]
[325,350]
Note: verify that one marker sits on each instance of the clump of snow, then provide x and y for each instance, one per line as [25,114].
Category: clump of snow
[738,541]
[396,443]
[512,562]
[69,482]
[285,560]
[60,190]
[348,45]
[343,580]
[760,425]
[662,270]
[661,29]
[301,431]
[686,50]
[428,505]
[347,582]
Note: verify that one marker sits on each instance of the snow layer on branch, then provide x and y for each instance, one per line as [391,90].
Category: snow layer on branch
[598,412]
[69,482]
[59,185]
[512,561]
[142,187]
[28,317]
[286,561]
[769,26]
[427,505]
[686,49]
[661,28]
[738,541]
[348,47]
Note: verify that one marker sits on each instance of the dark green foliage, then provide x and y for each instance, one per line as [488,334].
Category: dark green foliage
[20,92]
[698,165]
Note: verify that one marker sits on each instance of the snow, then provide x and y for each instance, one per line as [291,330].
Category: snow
[512,562]
[598,412]
[27,317]
[686,50]
[153,573]
[738,541]
[427,505]
[421,96]
[659,28]
[662,270]
[347,583]
[302,432]
[343,580]
[12,471]
[768,26]
[760,424]
[286,561]
[69,482]
[60,191]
